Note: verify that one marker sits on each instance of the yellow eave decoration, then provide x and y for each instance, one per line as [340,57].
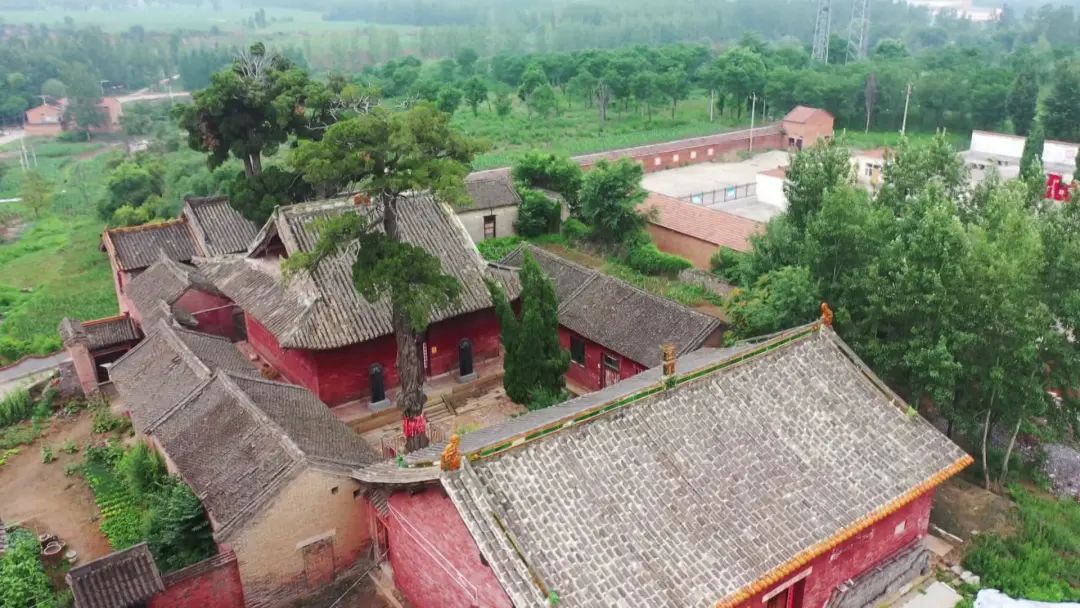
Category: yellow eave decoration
[801,559]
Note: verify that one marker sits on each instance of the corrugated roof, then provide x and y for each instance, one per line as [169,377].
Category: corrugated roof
[700,493]
[218,228]
[239,440]
[617,315]
[124,579]
[137,247]
[710,225]
[322,309]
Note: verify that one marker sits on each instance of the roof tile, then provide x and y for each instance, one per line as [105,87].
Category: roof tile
[710,225]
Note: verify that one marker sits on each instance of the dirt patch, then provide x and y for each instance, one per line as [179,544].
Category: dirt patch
[42,498]
[966,510]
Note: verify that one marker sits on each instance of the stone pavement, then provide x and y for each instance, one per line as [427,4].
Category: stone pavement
[937,595]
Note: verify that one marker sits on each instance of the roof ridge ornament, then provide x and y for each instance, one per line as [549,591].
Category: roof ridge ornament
[826,315]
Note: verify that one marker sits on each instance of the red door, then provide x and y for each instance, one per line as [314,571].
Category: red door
[319,563]
[788,598]
[609,370]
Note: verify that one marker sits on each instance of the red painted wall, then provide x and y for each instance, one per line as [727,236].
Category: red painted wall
[218,318]
[212,583]
[341,374]
[436,562]
[692,155]
[590,375]
[859,553]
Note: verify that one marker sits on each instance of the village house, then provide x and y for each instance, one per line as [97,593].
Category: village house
[612,329]
[268,460]
[95,345]
[206,227]
[772,474]
[693,231]
[320,333]
[770,189]
[50,118]
[493,206]
[131,578]
[805,126]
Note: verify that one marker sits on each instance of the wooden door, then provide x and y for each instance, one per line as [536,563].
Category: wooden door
[609,370]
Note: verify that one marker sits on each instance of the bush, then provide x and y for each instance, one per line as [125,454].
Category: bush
[1041,561]
[106,422]
[179,531]
[647,259]
[23,581]
[557,173]
[142,469]
[47,455]
[729,265]
[540,398]
[494,250]
[575,230]
[16,407]
[538,214]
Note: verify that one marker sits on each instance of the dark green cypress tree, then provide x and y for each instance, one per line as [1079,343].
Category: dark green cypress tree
[534,363]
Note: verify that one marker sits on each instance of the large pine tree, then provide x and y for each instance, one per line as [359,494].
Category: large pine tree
[534,361]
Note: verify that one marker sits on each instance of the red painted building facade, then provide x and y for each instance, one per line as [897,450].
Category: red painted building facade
[212,583]
[344,374]
[592,366]
[437,563]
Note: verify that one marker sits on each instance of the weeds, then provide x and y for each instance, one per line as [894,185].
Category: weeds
[47,455]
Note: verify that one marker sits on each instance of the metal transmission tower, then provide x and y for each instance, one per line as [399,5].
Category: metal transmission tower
[858,30]
[821,31]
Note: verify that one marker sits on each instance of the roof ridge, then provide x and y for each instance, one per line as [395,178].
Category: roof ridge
[198,333]
[183,349]
[179,405]
[229,381]
[103,320]
[145,227]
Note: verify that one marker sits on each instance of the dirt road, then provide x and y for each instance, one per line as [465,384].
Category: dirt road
[44,499]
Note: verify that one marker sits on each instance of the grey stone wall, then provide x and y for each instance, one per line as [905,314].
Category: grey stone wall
[879,583]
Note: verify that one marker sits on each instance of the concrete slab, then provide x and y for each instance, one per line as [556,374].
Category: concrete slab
[706,177]
[938,546]
[937,595]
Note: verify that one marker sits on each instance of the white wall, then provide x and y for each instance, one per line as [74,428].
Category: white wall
[997,144]
[770,190]
[1059,152]
[473,221]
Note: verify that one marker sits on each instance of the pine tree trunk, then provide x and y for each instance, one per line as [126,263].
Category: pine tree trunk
[411,400]
[712,104]
[986,434]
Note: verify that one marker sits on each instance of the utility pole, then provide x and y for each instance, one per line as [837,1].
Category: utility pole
[907,100]
[822,23]
[753,106]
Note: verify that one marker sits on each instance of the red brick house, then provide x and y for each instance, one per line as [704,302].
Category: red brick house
[50,118]
[695,232]
[320,333]
[612,329]
[770,474]
[95,345]
[804,126]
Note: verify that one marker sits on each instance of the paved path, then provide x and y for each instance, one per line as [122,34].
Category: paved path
[14,135]
[29,370]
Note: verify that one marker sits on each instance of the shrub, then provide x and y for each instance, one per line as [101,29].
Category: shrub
[23,581]
[647,259]
[558,173]
[141,469]
[47,454]
[179,530]
[69,447]
[496,249]
[538,214]
[16,407]
[575,230]
[729,265]
[106,422]
[540,398]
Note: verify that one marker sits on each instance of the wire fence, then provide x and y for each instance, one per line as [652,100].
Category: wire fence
[723,195]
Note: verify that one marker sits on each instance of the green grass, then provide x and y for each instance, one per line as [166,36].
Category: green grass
[1041,560]
[577,130]
[54,267]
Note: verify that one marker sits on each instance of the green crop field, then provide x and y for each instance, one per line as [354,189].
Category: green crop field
[51,267]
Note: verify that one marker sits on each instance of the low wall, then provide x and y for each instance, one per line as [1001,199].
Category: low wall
[211,583]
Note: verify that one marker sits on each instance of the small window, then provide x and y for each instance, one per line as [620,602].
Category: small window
[489,226]
[577,350]
[357,493]
[693,154]
[674,158]
[656,161]
[709,152]
[869,170]
[333,490]
[611,361]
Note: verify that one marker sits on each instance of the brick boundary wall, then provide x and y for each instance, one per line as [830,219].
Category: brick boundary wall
[211,583]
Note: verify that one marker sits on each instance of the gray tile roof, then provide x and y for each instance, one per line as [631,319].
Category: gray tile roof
[167,366]
[693,495]
[617,315]
[218,228]
[490,192]
[239,440]
[164,281]
[124,579]
[140,246]
[99,333]
[322,310]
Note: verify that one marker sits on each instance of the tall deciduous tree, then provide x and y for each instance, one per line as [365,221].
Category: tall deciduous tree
[476,93]
[815,171]
[534,361]
[249,109]
[84,95]
[389,156]
[36,192]
[610,193]
[1061,116]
